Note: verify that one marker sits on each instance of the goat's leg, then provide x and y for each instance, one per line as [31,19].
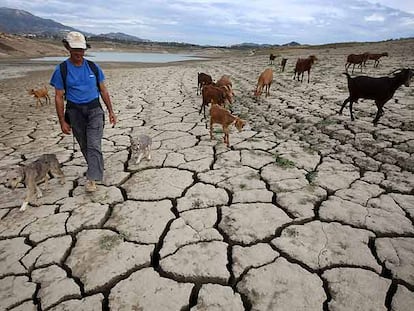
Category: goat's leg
[308,75]
[343,105]
[350,109]
[226,135]
[380,111]
[201,109]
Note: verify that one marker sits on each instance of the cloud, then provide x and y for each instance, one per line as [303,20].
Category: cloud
[375,18]
[225,22]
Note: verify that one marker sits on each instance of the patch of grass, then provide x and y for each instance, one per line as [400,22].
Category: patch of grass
[311,176]
[124,235]
[243,116]
[196,203]
[291,232]
[285,163]
[108,242]
[242,186]
[218,130]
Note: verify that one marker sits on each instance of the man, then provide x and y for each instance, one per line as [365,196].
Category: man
[82,81]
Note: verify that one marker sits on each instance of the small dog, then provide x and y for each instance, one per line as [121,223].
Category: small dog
[141,147]
[40,93]
[32,174]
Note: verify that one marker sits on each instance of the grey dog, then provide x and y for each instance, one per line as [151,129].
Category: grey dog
[32,174]
[141,147]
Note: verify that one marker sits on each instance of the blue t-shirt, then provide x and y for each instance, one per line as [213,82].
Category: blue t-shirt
[81,85]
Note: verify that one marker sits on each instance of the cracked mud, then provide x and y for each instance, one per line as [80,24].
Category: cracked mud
[306,211]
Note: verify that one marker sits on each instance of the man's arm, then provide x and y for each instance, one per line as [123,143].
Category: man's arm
[60,110]
[107,100]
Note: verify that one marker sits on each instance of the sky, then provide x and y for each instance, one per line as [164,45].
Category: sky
[229,22]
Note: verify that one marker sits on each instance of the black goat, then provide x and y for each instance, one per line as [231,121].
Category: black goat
[271,58]
[379,89]
[283,64]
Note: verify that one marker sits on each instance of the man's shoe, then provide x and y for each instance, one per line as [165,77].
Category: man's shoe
[90,186]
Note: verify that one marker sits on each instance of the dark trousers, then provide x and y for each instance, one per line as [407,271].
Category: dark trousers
[87,124]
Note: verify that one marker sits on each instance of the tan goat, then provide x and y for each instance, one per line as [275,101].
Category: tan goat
[265,80]
[40,93]
[220,115]
[226,82]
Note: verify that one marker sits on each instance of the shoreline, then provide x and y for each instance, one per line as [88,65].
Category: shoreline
[20,67]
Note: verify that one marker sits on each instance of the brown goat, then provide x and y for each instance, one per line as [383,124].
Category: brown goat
[271,58]
[356,59]
[220,115]
[203,79]
[40,93]
[265,80]
[283,64]
[375,58]
[302,65]
[215,95]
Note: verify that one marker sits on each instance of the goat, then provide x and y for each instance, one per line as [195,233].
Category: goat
[40,93]
[203,79]
[226,82]
[265,80]
[304,64]
[222,116]
[375,58]
[271,58]
[214,94]
[283,64]
[379,89]
[356,59]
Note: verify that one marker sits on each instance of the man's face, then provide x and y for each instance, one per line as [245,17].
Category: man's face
[77,54]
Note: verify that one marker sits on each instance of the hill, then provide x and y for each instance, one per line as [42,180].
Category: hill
[14,46]
[22,22]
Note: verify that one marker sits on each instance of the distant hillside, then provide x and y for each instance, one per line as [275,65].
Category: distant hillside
[293,43]
[18,46]
[117,36]
[21,22]
[258,46]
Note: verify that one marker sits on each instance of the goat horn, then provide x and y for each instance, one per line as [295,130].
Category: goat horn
[395,71]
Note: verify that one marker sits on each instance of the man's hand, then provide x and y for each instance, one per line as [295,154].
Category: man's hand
[112,118]
[65,127]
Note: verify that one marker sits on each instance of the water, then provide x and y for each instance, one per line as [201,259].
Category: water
[127,57]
